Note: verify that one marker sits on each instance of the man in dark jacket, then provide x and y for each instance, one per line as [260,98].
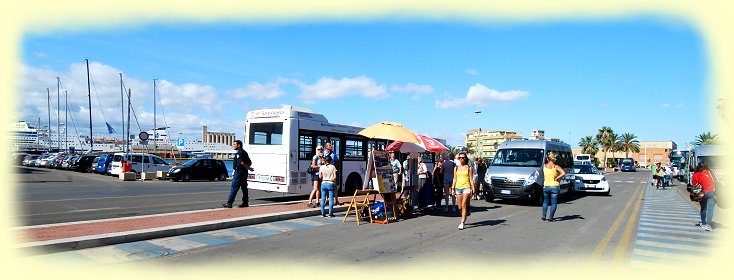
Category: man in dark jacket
[241,165]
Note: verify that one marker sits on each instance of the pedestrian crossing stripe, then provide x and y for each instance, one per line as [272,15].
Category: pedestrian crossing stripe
[150,249]
[667,233]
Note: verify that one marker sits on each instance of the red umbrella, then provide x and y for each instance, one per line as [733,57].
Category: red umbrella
[430,144]
[426,144]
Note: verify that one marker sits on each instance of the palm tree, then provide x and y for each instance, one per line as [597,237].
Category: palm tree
[628,143]
[706,138]
[589,145]
[470,148]
[604,137]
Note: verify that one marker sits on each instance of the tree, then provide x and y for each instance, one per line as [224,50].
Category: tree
[627,142]
[706,138]
[604,137]
[589,145]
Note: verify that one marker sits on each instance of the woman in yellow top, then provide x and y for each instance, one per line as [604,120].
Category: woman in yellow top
[552,174]
[462,186]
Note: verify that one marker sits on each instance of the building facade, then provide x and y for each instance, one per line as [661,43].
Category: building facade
[650,153]
[216,137]
[486,142]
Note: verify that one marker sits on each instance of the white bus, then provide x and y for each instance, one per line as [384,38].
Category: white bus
[282,141]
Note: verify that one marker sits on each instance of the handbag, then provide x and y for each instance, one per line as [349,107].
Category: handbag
[312,170]
[696,193]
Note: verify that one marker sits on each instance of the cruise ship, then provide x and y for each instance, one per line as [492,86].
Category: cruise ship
[25,136]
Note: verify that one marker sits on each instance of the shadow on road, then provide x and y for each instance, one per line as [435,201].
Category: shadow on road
[485,223]
[26,170]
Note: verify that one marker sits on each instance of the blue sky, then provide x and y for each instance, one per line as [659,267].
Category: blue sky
[568,78]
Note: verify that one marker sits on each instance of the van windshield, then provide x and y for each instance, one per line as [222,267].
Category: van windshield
[518,157]
[710,160]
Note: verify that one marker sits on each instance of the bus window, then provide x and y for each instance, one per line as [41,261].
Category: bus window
[353,149]
[321,141]
[266,133]
[305,147]
[371,145]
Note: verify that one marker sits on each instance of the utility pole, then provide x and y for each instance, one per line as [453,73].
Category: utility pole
[155,128]
[122,113]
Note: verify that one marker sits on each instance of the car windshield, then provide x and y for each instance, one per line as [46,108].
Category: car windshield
[627,161]
[518,157]
[585,169]
[190,162]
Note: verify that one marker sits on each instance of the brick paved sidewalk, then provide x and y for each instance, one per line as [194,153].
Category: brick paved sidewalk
[86,234]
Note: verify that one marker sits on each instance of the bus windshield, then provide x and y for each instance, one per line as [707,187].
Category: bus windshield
[712,161]
[628,161]
[518,157]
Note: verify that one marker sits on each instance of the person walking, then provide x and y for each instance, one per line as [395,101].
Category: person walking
[481,171]
[660,173]
[448,179]
[654,176]
[316,162]
[240,166]
[552,174]
[438,183]
[462,186]
[703,176]
[406,171]
[327,176]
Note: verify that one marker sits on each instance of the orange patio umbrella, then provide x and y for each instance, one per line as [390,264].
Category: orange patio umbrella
[390,131]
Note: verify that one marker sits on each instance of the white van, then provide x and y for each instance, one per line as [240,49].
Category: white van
[711,154]
[516,170]
[140,162]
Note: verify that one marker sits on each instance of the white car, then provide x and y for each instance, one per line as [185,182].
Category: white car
[139,162]
[589,179]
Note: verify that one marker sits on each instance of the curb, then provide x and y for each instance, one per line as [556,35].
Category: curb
[91,241]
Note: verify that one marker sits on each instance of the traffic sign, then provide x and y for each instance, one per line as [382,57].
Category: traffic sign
[143,135]
[180,142]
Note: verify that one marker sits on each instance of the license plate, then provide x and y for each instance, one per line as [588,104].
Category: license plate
[593,187]
[505,192]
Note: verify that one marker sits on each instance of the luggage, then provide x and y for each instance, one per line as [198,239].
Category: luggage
[426,195]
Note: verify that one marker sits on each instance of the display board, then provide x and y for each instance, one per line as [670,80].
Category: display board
[379,171]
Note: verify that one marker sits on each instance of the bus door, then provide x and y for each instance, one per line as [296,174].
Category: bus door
[336,149]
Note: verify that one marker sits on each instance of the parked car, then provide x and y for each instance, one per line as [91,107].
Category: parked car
[140,162]
[43,160]
[69,161]
[18,158]
[200,168]
[103,163]
[590,179]
[83,163]
[30,160]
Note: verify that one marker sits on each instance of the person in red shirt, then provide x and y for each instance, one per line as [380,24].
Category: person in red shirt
[705,177]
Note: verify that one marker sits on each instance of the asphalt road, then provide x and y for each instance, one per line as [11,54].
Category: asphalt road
[591,228]
[47,196]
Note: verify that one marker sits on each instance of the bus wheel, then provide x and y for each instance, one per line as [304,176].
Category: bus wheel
[354,182]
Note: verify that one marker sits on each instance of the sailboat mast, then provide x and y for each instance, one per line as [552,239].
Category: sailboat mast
[66,120]
[48,133]
[129,93]
[38,136]
[58,119]
[89,96]
[155,128]
[122,110]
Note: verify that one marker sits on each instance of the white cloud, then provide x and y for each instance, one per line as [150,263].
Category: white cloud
[260,92]
[480,95]
[680,105]
[665,105]
[329,88]
[472,72]
[603,105]
[412,88]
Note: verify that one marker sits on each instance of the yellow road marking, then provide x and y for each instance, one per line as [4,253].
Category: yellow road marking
[626,236]
[613,229]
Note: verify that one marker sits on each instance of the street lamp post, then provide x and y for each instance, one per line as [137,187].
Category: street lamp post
[479,134]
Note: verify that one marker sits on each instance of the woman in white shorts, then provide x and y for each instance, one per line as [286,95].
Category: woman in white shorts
[462,186]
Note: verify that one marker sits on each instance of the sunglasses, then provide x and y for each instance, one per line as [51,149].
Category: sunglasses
[461,157]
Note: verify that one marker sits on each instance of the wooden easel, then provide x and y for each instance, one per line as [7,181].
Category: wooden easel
[358,205]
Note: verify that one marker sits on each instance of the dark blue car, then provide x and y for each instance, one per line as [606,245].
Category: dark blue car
[627,164]
[103,163]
